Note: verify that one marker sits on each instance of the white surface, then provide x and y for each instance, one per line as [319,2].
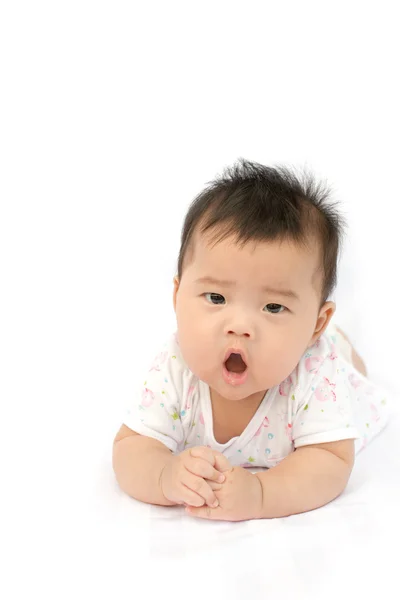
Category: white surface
[113,116]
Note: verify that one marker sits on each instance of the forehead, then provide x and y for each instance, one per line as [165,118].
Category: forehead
[280,262]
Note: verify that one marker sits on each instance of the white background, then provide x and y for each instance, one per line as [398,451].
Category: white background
[113,116]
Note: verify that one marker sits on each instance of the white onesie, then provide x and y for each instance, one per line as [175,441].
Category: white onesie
[325,399]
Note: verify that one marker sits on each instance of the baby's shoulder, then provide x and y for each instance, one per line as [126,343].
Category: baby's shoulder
[168,358]
[169,371]
[318,363]
[321,355]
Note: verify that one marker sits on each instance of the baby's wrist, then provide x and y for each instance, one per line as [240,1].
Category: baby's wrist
[162,481]
[259,498]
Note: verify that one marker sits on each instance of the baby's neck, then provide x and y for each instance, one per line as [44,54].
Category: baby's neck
[230,418]
[246,405]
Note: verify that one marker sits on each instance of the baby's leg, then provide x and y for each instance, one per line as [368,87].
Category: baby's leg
[355,358]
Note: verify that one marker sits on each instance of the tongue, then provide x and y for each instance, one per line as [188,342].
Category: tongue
[235,364]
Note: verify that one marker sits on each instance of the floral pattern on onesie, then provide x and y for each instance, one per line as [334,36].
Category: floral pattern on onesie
[324,399]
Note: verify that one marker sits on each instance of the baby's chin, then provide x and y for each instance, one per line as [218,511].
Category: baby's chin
[237,396]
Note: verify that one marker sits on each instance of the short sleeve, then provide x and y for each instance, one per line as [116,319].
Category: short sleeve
[155,407]
[325,412]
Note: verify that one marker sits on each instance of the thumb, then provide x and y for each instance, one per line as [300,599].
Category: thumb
[222,464]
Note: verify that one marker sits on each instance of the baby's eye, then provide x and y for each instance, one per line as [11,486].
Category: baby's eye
[274,308]
[216,297]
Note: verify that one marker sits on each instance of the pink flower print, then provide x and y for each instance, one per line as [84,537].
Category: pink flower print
[282,415]
[274,456]
[317,343]
[285,386]
[323,394]
[159,361]
[273,459]
[289,431]
[333,355]
[250,463]
[265,423]
[312,363]
[189,397]
[201,418]
[354,380]
[147,398]
[375,414]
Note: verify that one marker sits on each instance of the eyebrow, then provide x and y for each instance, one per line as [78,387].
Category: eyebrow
[267,288]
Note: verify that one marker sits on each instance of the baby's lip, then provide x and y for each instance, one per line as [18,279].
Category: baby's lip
[236,351]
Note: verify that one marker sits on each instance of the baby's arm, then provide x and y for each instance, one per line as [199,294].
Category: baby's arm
[138,462]
[148,471]
[307,479]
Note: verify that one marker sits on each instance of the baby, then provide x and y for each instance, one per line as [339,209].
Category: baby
[257,374]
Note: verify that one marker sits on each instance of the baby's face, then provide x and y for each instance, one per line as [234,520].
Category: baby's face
[253,313]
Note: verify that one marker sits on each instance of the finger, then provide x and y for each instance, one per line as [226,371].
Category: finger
[205,512]
[222,464]
[202,468]
[203,452]
[200,487]
[189,497]
[214,485]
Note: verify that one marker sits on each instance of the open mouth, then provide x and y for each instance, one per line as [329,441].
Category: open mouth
[235,363]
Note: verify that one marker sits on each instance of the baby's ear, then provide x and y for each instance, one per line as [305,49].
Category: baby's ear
[175,281]
[325,315]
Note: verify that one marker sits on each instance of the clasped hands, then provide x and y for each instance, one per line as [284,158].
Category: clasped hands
[205,482]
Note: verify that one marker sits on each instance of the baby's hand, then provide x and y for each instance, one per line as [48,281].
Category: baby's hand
[190,477]
[240,497]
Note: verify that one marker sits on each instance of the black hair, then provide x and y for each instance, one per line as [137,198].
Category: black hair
[257,203]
